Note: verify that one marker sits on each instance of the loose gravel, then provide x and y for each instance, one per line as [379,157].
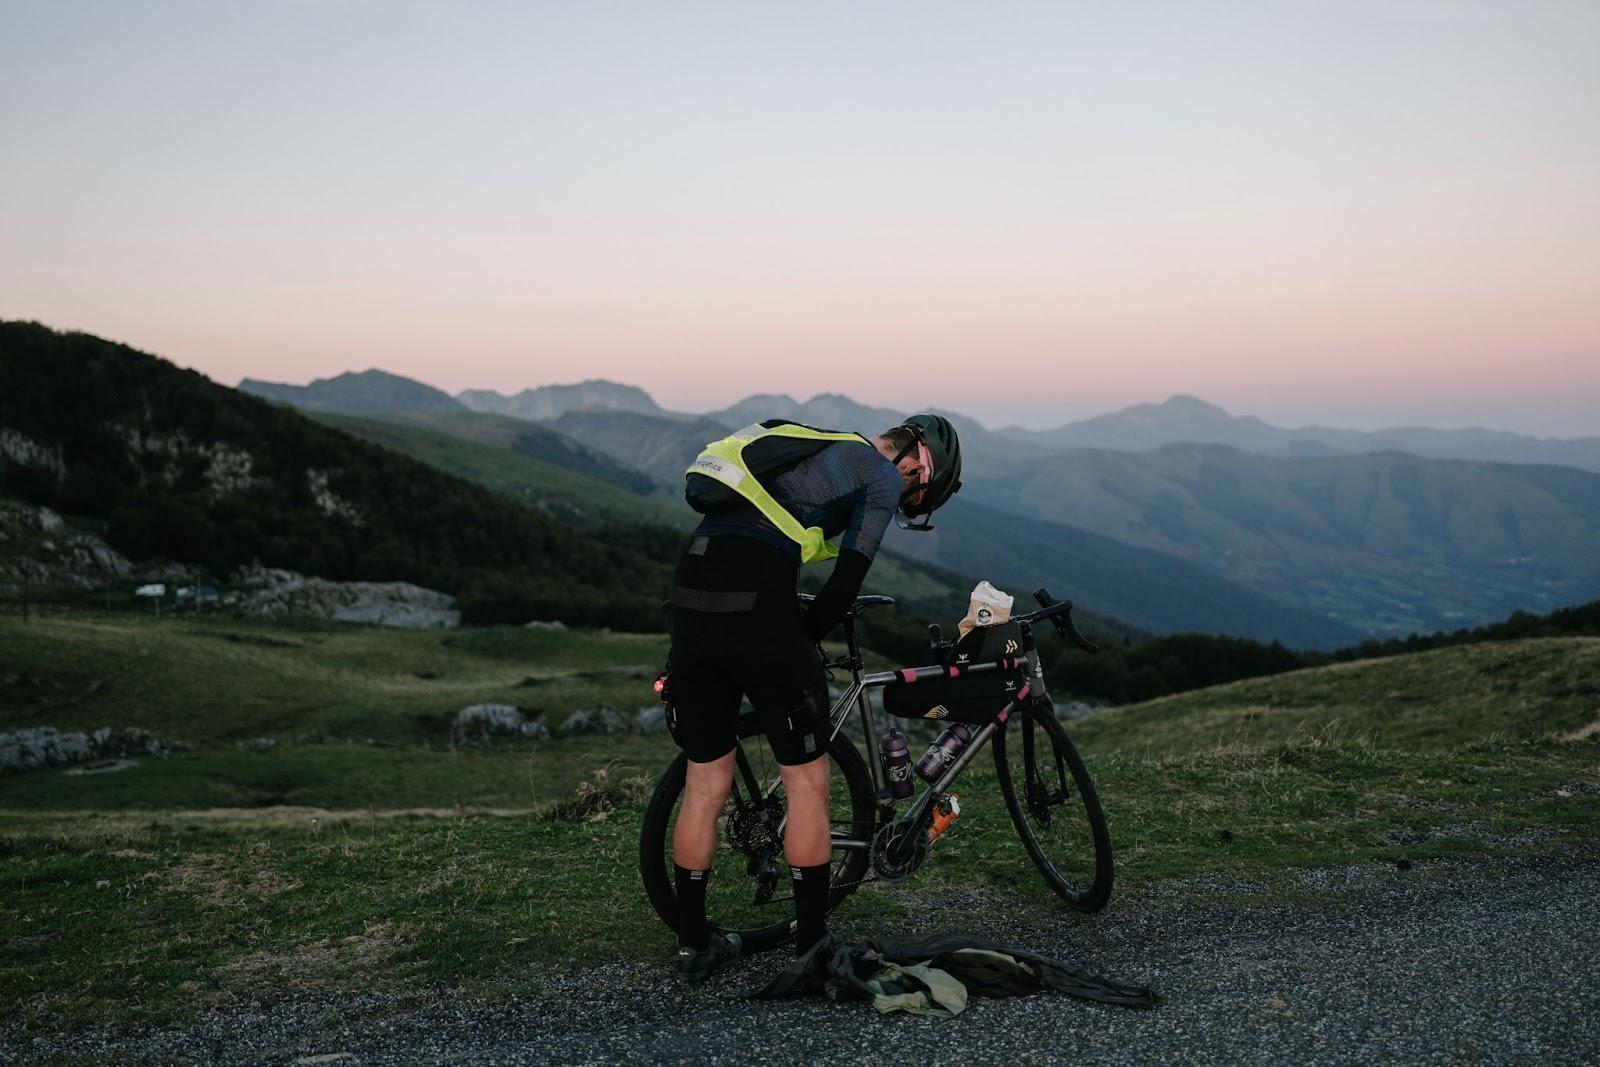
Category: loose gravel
[1487,961]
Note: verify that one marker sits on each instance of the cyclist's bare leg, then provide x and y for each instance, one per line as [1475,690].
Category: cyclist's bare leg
[808,847]
[806,838]
[705,791]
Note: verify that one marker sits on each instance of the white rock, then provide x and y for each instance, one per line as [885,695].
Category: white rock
[480,724]
[273,593]
[601,720]
[44,746]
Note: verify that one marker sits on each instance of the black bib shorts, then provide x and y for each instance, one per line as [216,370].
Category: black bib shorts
[737,633]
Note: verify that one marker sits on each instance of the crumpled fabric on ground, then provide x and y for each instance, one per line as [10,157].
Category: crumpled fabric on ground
[935,974]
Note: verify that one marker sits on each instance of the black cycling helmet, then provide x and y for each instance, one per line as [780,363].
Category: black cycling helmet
[934,433]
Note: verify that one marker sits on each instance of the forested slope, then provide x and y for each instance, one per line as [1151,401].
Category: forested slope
[175,466]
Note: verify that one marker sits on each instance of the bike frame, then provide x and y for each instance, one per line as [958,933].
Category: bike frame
[856,695]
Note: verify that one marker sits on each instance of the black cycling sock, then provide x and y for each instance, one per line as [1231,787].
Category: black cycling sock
[810,906]
[693,930]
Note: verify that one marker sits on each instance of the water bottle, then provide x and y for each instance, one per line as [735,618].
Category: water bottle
[896,756]
[943,752]
[945,810]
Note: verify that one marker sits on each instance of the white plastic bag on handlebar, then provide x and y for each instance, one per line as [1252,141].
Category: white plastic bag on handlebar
[988,607]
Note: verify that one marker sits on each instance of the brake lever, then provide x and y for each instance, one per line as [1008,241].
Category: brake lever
[1063,622]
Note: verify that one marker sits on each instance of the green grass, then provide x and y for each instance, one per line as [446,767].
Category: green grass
[223,874]
[1427,701]
[219,680]
[343,776]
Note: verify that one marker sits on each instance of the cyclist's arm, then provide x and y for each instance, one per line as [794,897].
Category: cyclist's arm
[873,505]
[837,593]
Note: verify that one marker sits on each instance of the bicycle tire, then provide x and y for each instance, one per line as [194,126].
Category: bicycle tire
[1057,825]
[759,925]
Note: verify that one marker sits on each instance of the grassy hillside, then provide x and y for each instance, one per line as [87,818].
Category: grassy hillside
[661,447]
[225,874]
[535,441]
[1387,543]
[1150,590]
[487,454]
[216,681]
[1514,690]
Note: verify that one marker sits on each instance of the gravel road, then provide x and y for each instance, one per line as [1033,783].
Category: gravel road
[1442,963]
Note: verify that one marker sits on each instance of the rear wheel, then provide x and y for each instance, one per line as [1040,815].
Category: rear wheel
[749,888]
[1054,806]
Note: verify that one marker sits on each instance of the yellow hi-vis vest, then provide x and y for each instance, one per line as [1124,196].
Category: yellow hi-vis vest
[724,461]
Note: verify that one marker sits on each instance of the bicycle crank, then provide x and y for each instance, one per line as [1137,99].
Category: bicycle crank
[898,850]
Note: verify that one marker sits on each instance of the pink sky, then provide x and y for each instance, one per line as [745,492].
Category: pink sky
[1371,214]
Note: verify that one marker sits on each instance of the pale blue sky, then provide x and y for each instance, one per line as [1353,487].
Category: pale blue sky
[1356,213]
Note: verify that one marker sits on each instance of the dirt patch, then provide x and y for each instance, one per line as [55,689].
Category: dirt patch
[105,766]
[275,815]
[227,881]
[1583,733]
[325,964]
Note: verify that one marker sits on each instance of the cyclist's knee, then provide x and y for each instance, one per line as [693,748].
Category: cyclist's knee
[709,782]
[810,778]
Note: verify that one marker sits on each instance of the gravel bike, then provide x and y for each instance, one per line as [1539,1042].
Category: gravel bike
[1047,790]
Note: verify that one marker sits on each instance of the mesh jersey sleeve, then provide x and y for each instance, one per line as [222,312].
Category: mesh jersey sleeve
[876,504]
[846,489]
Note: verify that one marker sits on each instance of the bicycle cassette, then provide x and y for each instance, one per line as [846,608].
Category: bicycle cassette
[898,850]
[755,829]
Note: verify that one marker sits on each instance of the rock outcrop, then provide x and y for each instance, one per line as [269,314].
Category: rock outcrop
[45,746]
[270,592]
[39,547]
[601,720]
[481,724]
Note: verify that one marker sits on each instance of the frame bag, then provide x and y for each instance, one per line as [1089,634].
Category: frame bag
[958,696]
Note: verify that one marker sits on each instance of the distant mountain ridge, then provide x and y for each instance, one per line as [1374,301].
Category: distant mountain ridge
[1139,428]
[370,392]
[827,410]
[1320,539]
[552,401]
[1144,427]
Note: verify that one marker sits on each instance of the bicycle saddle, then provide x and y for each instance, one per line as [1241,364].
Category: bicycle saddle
[866,600]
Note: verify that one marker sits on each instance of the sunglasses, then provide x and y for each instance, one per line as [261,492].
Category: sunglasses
[924,474]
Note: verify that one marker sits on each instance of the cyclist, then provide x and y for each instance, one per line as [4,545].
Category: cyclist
[737,630]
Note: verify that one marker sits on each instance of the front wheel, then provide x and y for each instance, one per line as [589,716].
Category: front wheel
[749,891]
[1054,806]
